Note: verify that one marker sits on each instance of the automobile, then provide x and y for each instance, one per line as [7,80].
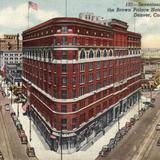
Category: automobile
[101,153]
[136,117]
[112,143]
[151,105]
[143,109]
[1,156]
[158,127]
[30,152]
[128,125]
[132,121]
[21,133]
[24,139]
[123,131]
[140,113]
[106,148]
[158,142]
[7,107]
[118,136]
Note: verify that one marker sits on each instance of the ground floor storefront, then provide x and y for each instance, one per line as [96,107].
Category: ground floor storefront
[75,140]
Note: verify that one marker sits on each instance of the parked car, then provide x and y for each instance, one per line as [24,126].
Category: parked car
[132,121]
[101,153]
[118,136]
[1,156]
[158,127]
[106,148]
[136,117]
[123,131]
[158,142]
[24,139]
[7,107]
[128,125]
[21,133]
[30,152]
[140,113]
[112,143]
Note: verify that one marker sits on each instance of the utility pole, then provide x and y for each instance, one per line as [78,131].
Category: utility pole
[61,143]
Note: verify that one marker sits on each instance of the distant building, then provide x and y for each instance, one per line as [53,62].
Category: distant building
[10,53]
[10,43]
[14,74]
[10,57]
[81,77]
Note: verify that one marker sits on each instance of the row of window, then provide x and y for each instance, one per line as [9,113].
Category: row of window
[105,53]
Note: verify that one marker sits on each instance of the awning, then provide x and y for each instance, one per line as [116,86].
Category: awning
[25,106]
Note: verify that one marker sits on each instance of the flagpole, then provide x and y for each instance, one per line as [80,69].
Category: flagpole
[66,8]
[28,14]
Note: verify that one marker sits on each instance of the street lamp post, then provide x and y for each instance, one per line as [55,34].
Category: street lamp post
[61,143]
[17,109]
[29,103]
[119,115]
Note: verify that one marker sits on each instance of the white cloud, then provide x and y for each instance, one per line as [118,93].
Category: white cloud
[14,18]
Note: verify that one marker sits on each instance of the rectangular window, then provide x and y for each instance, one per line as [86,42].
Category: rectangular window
[74,123]
[82,79]
[110,63]
[64,29]
[64,68]
[74,68]
[98,64]
[64,94]
[81,91]
[64,81]
[74,40]
[64,123]
[74,54]
[63,108]
[98,75]
[110,71]
[90,65]
[82,67]
[64,54]
[64,40]
[105,73]
[74,92]
[90,77]
[74,107]
[98,85]
[74,80]
[90,88]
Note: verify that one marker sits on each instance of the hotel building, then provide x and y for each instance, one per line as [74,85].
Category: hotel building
[81,74]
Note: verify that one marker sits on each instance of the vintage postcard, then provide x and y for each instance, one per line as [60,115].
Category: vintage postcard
[79,80]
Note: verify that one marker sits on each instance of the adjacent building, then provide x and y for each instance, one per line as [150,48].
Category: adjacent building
[11,58]
[80,75]
[10,42]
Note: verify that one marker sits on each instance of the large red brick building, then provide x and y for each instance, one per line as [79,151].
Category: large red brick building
[82,74]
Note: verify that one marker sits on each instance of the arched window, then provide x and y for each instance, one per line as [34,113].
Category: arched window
[98,53]
[91,54]
[110,53]
[105,53]
[82,54]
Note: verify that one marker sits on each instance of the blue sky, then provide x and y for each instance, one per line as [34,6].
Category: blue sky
[13,15]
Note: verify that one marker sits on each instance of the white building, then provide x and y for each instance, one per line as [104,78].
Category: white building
[10,57]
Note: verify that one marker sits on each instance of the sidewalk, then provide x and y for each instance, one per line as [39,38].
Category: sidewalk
[43,152]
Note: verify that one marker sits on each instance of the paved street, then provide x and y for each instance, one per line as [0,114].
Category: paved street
[10,145]
[135,144]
